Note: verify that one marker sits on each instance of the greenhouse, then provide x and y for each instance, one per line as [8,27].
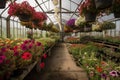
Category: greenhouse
[59,39]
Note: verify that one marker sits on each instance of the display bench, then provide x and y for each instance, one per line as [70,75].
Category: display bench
[107,44]
[35,64]
[25,72]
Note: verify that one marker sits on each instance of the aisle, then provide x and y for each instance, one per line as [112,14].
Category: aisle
[59,66]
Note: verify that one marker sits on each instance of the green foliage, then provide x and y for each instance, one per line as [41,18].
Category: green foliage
[107,25]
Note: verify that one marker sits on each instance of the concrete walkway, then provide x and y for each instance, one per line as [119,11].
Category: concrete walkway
[59,66]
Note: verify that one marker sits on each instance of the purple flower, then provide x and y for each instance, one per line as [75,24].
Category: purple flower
[3,49]
[71,22]
[33,41]
[23,47]
[113,73]
[30,46]
[16,53]
[2,58]
[104,75]
[38,44]
[26,41]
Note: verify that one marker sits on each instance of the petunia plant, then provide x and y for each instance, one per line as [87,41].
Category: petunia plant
[22,10]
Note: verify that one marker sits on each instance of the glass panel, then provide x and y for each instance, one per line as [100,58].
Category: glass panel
[4,31]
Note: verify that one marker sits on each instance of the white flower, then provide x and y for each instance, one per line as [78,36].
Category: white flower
[79,20]
[95,27]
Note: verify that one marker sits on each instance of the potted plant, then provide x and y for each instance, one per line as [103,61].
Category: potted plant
[116,8]
[24,11]
[80,22]
[88,10]
[107,25]
[96,27]
[67,29]
[38,17]
[102,4]
[71,23]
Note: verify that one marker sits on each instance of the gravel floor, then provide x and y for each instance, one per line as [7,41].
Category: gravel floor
[59,66]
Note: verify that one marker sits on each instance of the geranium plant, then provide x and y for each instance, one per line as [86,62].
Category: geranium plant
[23,10]
[80,22]
[38,18]
[87,6]
[88,9]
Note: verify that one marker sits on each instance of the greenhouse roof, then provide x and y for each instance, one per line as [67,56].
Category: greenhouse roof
[66,9]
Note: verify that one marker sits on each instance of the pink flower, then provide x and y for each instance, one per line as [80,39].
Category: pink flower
[38,44]
[26,41]
[3,49]
[16,53]
[45,56]
[30,46]
[113,73]
[26,56]
[24,47]
[15,48]
[13,8]
[2,58]
[42,65]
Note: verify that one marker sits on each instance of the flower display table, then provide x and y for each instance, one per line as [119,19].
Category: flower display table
[25,72]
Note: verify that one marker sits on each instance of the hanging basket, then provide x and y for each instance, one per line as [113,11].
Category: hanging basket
[102,4]
[2,4]
[24,18]
[90,17]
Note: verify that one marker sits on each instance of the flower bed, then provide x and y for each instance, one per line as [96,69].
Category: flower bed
[97,69]
[18,54]
[72,40]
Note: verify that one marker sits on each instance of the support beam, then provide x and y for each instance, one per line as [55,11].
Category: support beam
[49,12]
[42,9]
[8,27]
[76,8]
[73,2]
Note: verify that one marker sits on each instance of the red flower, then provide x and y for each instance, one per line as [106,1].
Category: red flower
[42,65]
[99,69]
[15,48]
[45,56]
[26,56]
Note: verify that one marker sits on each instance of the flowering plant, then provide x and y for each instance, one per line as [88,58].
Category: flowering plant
[39,17]
[21,10]
[71,23]
[80,22]
[88,5]
[67,29]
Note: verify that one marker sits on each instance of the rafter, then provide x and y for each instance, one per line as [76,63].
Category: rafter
[41,3]
[76,8]
[68,11]
[74,2]
[42,9]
